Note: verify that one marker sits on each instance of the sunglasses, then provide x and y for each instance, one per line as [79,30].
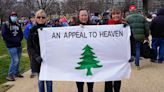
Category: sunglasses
[40,17]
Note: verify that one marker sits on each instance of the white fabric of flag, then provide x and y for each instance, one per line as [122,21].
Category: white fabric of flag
[87,54]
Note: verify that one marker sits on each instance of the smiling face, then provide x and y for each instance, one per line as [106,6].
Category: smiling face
[116,15]
[40,17]
[83,16]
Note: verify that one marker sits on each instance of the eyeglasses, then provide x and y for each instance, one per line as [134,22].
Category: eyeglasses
[39,17]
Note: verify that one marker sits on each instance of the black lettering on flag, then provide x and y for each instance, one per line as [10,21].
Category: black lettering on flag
[116,33]
[56,35]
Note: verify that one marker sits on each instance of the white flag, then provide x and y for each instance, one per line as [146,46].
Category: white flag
[89,54]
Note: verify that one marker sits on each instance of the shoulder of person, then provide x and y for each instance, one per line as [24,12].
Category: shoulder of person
[123,20]
[33,28]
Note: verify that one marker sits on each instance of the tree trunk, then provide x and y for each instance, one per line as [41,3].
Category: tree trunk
[89,72]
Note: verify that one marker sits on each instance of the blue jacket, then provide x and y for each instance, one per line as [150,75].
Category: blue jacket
[27,29]
[12,35]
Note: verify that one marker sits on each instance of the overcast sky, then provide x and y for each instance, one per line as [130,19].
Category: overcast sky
[22,0]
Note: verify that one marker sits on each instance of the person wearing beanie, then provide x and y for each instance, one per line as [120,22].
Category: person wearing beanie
[29,25]
[13,35]
[26,32]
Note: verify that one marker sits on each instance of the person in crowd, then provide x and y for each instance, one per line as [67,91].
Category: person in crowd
[63,21]
[140,31]
[12,35]
[157,32]
[105,18]
[115,18]
[73,20]
[154,15]
[83,19]
[95,19]
[34,48]
[149,18]
[29,25]
[56,23]
[26,32]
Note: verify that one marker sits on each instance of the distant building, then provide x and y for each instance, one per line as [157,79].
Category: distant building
[119,3]
[115,3]
[149,5]
[154,5]
[19,0]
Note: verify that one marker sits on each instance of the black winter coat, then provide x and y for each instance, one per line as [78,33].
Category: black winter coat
[157,25]
[34,47]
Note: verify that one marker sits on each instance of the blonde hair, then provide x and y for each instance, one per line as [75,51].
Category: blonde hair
[40,12]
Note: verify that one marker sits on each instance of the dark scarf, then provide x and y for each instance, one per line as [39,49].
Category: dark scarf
[40,25]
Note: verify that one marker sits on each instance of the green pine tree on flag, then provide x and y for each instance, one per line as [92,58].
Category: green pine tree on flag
[88,60]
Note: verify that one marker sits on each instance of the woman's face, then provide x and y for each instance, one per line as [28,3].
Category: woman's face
[41,19]
[116,16]
[83,16]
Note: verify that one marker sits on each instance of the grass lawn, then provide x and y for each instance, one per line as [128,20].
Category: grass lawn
[5,61]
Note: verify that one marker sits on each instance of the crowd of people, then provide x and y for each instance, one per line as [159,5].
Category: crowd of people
[141,28]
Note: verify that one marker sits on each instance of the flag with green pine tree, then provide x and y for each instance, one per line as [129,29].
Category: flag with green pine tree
[88,60]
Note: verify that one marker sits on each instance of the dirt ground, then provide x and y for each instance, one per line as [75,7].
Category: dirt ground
[150,78]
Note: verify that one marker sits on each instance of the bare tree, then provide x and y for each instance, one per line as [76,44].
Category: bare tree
[44,4]
[72,6]
[5,8]
[21,9]
[95,6]
[30,5]
[54,9]
[47,5]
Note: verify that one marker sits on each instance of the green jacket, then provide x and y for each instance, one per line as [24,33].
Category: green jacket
[138,25]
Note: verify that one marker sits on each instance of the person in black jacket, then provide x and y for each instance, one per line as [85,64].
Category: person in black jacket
[34,48]
[83,19]
[12,35]
[157,32]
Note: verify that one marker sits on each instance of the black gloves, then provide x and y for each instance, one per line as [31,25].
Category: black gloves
[39,59]
[131,59]
[125,25]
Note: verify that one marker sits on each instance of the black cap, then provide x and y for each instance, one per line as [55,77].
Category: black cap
[55,19]
[31,15]
[105,13]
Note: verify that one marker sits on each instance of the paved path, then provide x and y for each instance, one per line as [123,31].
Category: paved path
[149,79]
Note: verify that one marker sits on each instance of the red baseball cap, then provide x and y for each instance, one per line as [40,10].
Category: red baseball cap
[132,7]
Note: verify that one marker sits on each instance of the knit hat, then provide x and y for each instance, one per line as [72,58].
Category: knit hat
[13,13]
[31,15]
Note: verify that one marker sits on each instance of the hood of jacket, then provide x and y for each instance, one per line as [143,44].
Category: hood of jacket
[10,22]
